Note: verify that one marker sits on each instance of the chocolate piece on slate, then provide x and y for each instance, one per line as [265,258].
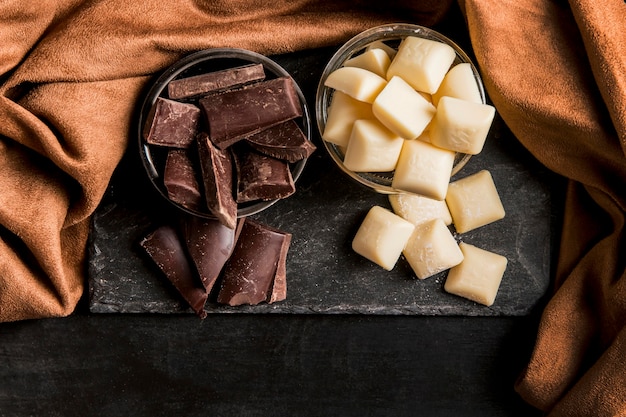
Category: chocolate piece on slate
[235,114]
[171,123]
[180,180]
[217,177]
[198,85]
[284,141]
[250,272]
[209,245]
[261,177]
[165,249]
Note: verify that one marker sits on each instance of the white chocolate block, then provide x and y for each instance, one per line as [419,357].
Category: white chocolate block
[478,277]
[459,82]
[423,169]
[342,113]
[422,63]
[372,147]
[402,109]
[419,209]
[358,83]
[382,45]
[461,125]
[374,60]
[432,249]
[474,202]
[382,237]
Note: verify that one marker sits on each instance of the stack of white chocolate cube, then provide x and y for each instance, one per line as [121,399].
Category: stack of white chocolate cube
[409,112]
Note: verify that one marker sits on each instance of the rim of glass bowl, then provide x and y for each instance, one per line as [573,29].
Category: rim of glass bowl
[201,62]
[381,182]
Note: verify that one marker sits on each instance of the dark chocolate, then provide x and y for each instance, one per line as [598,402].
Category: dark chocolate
[166,250]
[171,123]
[180,180]
[217,176]
[235,114]
[261,177]
[284,141]
[198,85]
[250,273]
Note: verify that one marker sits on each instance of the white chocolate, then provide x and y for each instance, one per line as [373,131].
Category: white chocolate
[459,82]
[342,113]
[358,83]
[422,63]
[419,209]
[478,277]
[474,202]
[374,60]
[423,169]
[402,109]
[372,148]
[382,237]
[460,125]
[382,45]
[432,249]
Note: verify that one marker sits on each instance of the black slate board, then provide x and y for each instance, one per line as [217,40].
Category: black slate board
[324,274]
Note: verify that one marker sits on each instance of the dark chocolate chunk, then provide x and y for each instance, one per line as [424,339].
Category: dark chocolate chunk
[172,123]
[261,177]
[235,114]
[165,249]
[180,180]
[250,273]
[209,245]
[217,177]
[284,141]
[198,85]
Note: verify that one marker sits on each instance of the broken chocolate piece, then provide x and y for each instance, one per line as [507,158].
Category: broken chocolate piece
[284,141]
[217,177]
[198,85]
[165,249]
[235,114]
[171,123]
[209,245]
[181,183]
[261,177]
[250,272]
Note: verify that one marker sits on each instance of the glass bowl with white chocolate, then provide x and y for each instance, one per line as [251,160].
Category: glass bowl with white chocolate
[401,109]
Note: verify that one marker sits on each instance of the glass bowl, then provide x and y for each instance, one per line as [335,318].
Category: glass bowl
[153,157]
[391,35]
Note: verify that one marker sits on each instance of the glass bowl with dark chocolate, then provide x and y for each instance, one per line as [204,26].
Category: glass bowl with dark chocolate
[224,133]
[385,38]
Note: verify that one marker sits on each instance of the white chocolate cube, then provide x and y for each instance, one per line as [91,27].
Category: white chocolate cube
[419,209]
[382,237]
[422,63]
[478,277]
[342,113]
[474,202]
[358,83]
[461,125]
[459,82]
[423,169]
[374,60]
[382,45]
[432,249]
[372,148]
[402,109]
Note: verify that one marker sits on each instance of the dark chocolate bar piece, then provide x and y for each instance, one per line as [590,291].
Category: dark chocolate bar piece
[250,273]
[166,250]
[261,177]
[180,180]
[235,114]
[284,141]
[209,245]
[172,123]
[198,85]
[217,176]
